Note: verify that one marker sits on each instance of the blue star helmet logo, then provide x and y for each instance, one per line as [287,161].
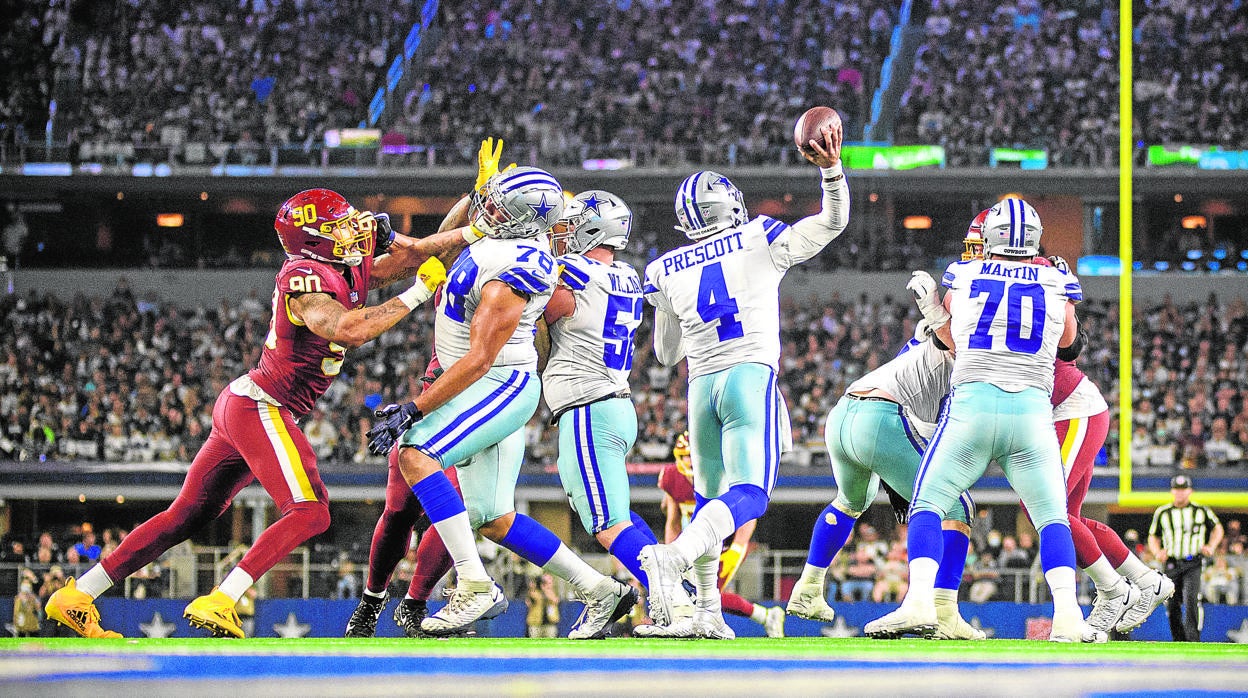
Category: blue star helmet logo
[542,209]
[592,203]
[724,181]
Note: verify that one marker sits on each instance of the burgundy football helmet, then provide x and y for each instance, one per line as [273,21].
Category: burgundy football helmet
[320,224]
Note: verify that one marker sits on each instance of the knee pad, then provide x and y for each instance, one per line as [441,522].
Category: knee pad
[746,502]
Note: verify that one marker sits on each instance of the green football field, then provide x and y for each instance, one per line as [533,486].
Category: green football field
[635,667]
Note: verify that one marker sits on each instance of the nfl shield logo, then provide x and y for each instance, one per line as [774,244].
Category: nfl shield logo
[355,296]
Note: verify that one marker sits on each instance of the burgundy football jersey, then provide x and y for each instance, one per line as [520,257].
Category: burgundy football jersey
[297,366]
[676,485]
[1066,376]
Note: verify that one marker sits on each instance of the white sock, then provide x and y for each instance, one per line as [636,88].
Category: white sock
[813,575]
[462,547]
[567,566]
[711,526]
[1133,568]
[1105,578]
[375,595]
[94,581]
[759,615]
[922,582]
[706,572]
[1062,583]
[946,597]
[236,583]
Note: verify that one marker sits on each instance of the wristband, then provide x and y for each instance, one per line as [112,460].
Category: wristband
[414,296]
[471,234]
[832,174]
[741,548]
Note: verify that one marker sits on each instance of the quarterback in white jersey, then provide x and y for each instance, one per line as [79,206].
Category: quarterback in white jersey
[717,302]
[477,409]
[1006,318]
[593,318]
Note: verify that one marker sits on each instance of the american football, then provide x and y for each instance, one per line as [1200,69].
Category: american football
[811,123]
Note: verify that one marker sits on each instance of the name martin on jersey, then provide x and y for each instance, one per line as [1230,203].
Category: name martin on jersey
[1027,273]
[705,252]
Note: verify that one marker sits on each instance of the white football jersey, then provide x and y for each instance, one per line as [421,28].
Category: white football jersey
[525,265]
[1084,401]
[725,289]
[1007,320]
[591,350]
[918,377]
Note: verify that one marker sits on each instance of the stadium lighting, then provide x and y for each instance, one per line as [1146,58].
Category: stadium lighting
[917,222]
[1194,222]
[169,220]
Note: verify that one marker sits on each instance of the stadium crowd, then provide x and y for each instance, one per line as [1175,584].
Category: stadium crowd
[694,81]
[132,380]
[1015,75]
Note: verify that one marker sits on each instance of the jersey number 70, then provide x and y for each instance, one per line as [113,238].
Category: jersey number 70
[1013,295]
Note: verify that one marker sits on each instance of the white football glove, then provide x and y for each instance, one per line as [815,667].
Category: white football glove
[1060,263]
[923,286]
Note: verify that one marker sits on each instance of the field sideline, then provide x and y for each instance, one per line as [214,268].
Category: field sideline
[523,667]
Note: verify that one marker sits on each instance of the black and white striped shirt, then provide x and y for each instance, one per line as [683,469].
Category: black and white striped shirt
[1183,530]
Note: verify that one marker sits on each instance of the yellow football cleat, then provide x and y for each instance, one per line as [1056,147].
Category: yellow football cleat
[214,613]
[76,611]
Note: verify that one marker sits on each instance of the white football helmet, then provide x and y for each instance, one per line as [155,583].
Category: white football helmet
[1012,228]
[523,202]
[708,203]
[594,218]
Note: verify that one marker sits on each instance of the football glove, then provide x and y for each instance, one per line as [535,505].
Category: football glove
[1060,263]
[432,273]
[487,161]
[729,561]
[385,234]
[923,286]
[395,419]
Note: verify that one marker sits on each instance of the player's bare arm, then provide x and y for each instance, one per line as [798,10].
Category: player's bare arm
[1071,331]
[405,254]
[494,322]
[541,342]
[813,233]
[671,518]
[327,318]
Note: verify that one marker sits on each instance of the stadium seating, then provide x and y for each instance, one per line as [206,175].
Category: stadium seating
[112,378]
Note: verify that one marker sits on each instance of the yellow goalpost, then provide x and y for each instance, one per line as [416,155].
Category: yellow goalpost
[1127,495]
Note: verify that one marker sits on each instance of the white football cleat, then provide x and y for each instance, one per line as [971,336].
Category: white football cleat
[606,603]
[807,602]
[712,626]
[683,628]
[668,599]
[914,619]
[1152,595]
[1110,607]
[1076,630]
[950,625]
[773,625]
[473,600]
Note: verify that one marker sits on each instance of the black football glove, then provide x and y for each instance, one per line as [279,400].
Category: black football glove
[395,419]
[385,234]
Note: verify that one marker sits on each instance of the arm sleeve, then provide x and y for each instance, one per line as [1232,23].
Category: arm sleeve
[669,342]
[805,238]
[531,274]
[1072,289]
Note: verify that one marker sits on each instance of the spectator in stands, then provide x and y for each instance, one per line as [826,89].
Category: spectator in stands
[1221,582]
[860,577]
[892,580]
[86,549]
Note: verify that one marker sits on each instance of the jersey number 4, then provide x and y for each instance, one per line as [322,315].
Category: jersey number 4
[1013,295]
[715,305]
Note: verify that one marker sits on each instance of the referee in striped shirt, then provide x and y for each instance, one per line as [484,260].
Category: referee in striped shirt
[1183,534]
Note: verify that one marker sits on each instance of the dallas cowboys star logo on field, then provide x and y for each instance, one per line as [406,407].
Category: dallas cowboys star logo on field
[292,628]
[542,209]
[158,627]
[592,203]
[839,629]
[1239,636]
